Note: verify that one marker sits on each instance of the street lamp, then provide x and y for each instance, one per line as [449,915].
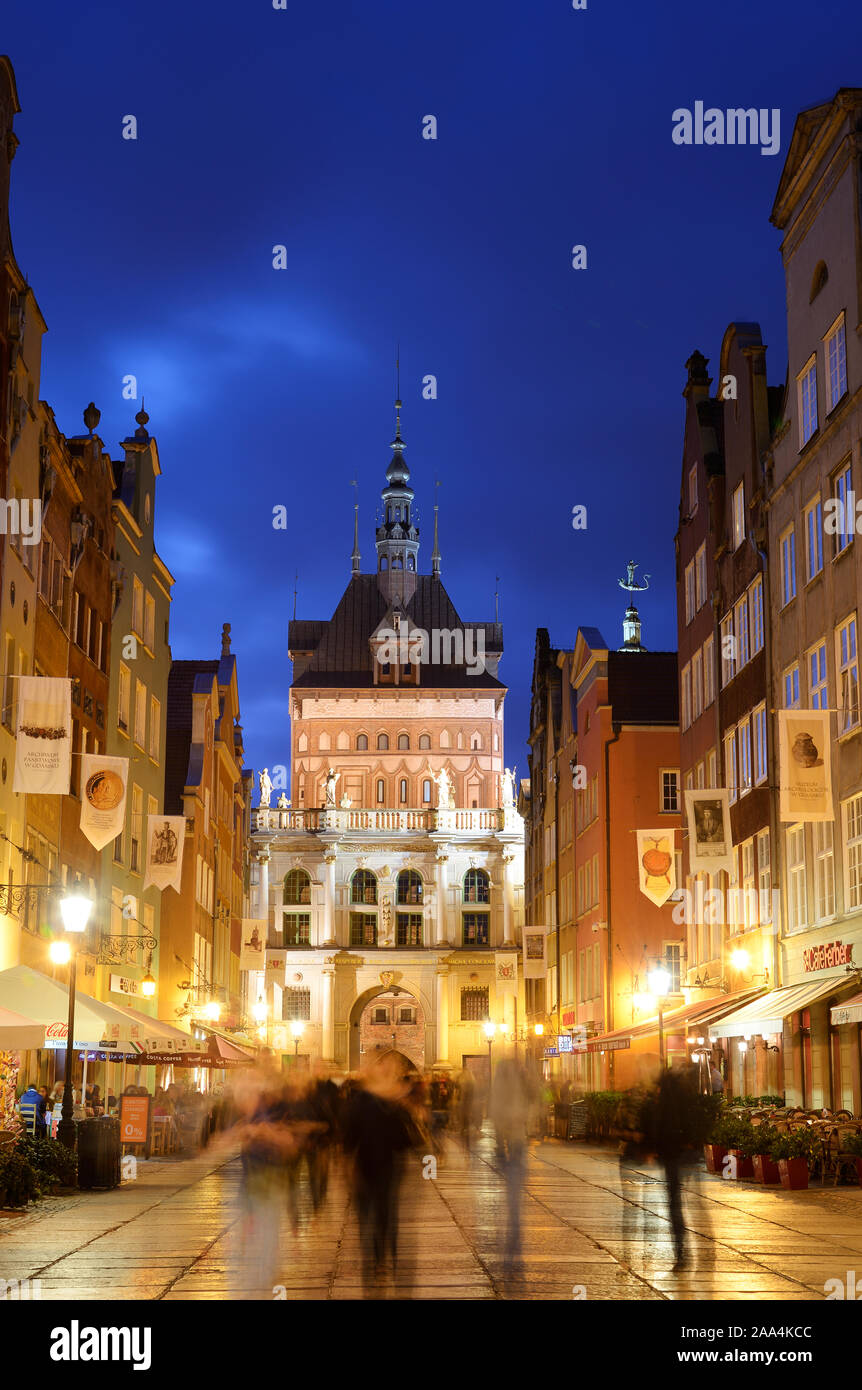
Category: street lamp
[297,1028]
[212,1010]
[75,911]
[658,981]
[489,1029]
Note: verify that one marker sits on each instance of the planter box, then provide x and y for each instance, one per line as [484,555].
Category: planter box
[765,1169]
[859,1169]
[794,1172]
[744,1164]
[714,1155]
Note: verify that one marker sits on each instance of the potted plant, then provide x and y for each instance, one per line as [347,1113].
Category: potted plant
[731,1135]
[715,1149]
[742,1149]
[792,1153]
[853,1145]
[765,1167]
[18,1182]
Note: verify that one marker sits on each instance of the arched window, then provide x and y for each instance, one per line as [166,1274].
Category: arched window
[324,743]
[409,886]
[383,742]
[426,790]
[389,515]
[361,743]
[476,742]
[445,741]
[297,888]
[411,564]
[477,886]
[404,741]
[384,563]
[424,740]
[363,887]
[381,790]
[402,790]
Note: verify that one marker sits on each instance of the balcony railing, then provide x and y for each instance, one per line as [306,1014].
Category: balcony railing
[422,819]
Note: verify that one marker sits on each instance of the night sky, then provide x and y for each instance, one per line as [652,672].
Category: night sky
[556,387]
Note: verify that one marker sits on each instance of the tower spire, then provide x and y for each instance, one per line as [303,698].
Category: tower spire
[397,538]
[355,557]
[435,554]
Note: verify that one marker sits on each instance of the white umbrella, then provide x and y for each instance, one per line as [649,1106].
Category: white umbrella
[46,1001]
[19,1034]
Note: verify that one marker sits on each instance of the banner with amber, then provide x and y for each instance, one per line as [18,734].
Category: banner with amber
[103,798]
[656,864]
[43,752]
[805,764]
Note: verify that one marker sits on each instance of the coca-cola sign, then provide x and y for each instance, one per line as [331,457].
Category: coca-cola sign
[57,1030]
[823,957]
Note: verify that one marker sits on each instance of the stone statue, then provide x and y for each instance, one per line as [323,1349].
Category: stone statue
[265,787]
[509,786]
[345,803]
[283,802]
[445,790]
[331,779]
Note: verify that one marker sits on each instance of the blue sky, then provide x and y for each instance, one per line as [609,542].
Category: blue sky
[302,127]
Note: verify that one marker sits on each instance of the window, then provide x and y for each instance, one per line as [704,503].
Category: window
[404,742]
[697,685]
[744,748]
[297,888]
[669,789]
[409,887]
[700,594]
[155,727]
[123,698]
[426,791]
[813,539]
[836,364]
[731,780]
[852,853]
[408,929]
[817,677]
[764,876]
[758,719]
[297,928]
[140,713]
[711,769]
[296,1004]
[728,650]
[685,701]
[708,672]
[673,965]
[363,928]
[848,676]
[699,777]
[402,791]
[844,508]
[382,742]
[806,386]
[738,515]
[689,592]
[748,915]
[363,887]
[137,607]
[361,743]
[474,1004]
[477,886]
[756,606]
[381,790]
[787,549]
[476,928]
[797,909]
[136,829]
[424,741]
[824,871]
[791,687]
[692,490]
[149,621]
[743,651]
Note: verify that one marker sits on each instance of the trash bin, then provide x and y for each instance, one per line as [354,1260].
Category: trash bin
[99,1153]
[577,1120]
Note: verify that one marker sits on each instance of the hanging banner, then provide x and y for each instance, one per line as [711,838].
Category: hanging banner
[43,754]
[103,797]
[804,761]
[252,954]
[535,953]
[506,967]
[165,837]
[276,965]
[656,864]
[710,846]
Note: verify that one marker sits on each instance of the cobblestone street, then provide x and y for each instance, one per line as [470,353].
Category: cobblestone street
[176,1233]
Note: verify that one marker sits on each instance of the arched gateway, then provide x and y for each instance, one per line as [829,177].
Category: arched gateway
[386,1019]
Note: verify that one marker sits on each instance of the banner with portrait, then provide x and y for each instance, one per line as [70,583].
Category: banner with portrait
[252,955]
[535,946]
[656,864]
[805,765]
[103,797]
[165,839]
[710,844]
[43,752]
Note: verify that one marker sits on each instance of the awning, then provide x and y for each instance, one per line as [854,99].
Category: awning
[19,1034]
[675,1021]
[159,1036]
[851,1012]
[767,1014]
[216,1053]
[43,1000]
[234,1048]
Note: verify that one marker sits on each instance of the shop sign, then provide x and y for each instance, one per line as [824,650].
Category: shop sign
[564,1042]
[830,954]
[121,984]
[608,1044]
[551,1052]
[568,1018]
[135,1119]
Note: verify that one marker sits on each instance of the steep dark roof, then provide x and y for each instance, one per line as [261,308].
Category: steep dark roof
[643,687]
[178,728]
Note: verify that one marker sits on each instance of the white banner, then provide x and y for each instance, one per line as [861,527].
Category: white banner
[252,955]
[804,760]
[656,864]
[710,846]
[276,966]
[535,953]
[43,756]
[506,968]
[165,837]
[103,797]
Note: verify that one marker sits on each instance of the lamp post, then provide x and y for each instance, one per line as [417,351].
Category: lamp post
[489,1030]
[75,910]
[297,1029]
[659,984]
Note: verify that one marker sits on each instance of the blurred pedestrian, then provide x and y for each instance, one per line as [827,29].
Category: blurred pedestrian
[465,1100]
[321,1108]
[671,1120]
[511,1102]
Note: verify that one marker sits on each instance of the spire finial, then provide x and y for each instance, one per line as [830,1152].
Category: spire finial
[398,393]
[295,588]
[497,599]
[143,419]
[225,639]
[355,557]
[435,554]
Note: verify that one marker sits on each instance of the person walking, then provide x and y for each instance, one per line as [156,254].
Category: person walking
[716,1080]
[511,1101]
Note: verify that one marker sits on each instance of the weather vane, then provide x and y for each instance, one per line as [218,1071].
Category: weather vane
[630,582]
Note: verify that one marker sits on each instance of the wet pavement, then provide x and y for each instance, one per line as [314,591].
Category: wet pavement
[178,1232]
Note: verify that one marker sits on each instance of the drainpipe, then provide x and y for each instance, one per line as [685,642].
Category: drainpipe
[609,989]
